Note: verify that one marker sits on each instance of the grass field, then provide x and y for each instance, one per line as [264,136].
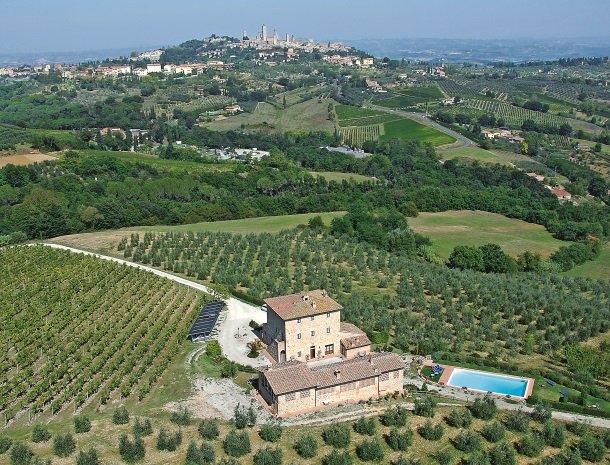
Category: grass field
[483,156]
[598,268]
[269,224]
[403,97]
[337,176]
[308,115]
[476,228]
[346,112]
[406,129]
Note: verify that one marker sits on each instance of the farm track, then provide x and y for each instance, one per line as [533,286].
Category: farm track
[461,141]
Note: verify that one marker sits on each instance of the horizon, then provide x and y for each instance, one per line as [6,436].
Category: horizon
[146,47]
[149,23]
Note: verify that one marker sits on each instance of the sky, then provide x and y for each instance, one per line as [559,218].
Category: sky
[74,25]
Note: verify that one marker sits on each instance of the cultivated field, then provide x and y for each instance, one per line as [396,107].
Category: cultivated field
[405,97]
[414,447]
[154,160]
[78,331]
[24,159]
[338,176]
[358,125]
[448,229]
[308,115]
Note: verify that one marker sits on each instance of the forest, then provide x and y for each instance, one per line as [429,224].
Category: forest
[89,191]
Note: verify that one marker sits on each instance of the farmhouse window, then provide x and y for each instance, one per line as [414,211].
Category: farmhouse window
[384,377]
[305,394]
[291,396]
[396,374]
[328,330]
[313,333]
[329,349]
[299,336]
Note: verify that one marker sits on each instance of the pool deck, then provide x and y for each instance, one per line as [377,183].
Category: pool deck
[448,371]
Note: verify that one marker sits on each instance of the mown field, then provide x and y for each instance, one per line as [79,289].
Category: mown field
[598,268]
[406,129]
[78,331]
[264,224]
[448,229]
[483,155]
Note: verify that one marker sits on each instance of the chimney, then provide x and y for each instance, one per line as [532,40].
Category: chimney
[338,374]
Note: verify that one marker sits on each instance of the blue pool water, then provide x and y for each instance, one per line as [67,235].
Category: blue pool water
[488,382]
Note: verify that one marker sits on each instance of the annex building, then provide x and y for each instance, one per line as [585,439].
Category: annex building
[318,360]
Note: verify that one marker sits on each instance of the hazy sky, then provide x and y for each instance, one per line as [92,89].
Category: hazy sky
[70,25]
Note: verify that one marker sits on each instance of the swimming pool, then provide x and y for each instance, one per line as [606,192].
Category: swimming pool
[489,382]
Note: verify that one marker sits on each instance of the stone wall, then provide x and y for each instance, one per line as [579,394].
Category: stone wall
[295,402]
[351,353]
[362,390]
[299,349]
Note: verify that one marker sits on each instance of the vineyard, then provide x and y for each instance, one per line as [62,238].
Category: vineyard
[429,307]
[357,135]
[513,115]
[203,104]
[77,330]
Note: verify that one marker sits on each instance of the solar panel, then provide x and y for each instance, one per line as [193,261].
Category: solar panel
[205,322]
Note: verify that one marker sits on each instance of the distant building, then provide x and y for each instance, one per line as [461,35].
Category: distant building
[154,68]
[232,109]
[561,194]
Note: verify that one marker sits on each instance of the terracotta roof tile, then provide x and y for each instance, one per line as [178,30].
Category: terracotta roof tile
[353,342]
[303,304]
[289,376]
[350,328]
[295,376]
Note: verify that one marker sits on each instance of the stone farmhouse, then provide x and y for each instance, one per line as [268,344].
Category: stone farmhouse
[317,360]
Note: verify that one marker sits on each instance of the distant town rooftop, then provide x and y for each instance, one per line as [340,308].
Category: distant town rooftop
[303,304]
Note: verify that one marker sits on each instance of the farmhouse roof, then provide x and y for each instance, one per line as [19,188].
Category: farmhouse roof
[289,376]
[560,192]
[349,328]
[295,376]
[303,304]
[353,342]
